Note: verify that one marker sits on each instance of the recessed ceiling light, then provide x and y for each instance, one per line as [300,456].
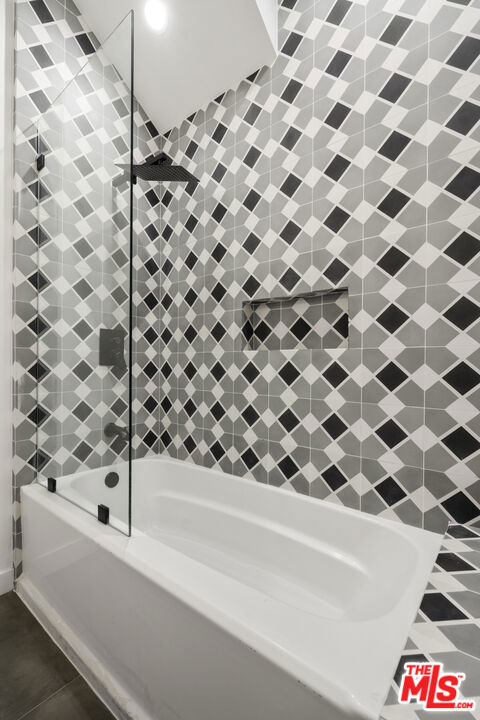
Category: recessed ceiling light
[156,14]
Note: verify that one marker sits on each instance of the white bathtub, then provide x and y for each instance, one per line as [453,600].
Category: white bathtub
[232,600]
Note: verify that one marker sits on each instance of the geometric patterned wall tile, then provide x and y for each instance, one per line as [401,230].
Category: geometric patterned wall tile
[345,165]
[358,196]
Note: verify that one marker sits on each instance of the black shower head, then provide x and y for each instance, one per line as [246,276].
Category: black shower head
[158,169]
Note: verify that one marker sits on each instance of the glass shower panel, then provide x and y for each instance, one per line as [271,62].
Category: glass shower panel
[84,287]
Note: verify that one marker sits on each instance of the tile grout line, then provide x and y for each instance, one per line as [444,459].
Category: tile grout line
[25,715]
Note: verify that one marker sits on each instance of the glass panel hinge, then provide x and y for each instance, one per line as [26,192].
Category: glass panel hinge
[103,514]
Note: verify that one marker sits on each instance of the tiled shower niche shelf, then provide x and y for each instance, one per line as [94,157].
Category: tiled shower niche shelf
[314,321]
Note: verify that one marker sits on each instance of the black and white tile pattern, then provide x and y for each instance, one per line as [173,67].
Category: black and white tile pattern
[351,163]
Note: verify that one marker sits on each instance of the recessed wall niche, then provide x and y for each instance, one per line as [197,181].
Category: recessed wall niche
[314,321]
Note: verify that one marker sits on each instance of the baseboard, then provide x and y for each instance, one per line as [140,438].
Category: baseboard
[6,580]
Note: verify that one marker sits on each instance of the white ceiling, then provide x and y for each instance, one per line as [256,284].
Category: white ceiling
[209,47]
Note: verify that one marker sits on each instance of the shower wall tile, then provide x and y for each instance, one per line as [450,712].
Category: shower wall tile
[352,162]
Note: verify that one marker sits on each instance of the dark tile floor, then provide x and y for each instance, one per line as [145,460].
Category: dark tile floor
[37,680]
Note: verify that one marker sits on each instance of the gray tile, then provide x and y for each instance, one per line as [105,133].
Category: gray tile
[465,637]
[31,665]
[470,580]
[75,701]
[469,601]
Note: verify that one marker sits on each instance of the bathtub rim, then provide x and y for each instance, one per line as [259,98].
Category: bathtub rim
[397,526]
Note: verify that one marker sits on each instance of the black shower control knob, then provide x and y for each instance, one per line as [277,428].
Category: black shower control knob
[112,479]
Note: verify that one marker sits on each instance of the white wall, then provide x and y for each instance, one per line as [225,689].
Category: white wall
[216,44]
[6,174]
